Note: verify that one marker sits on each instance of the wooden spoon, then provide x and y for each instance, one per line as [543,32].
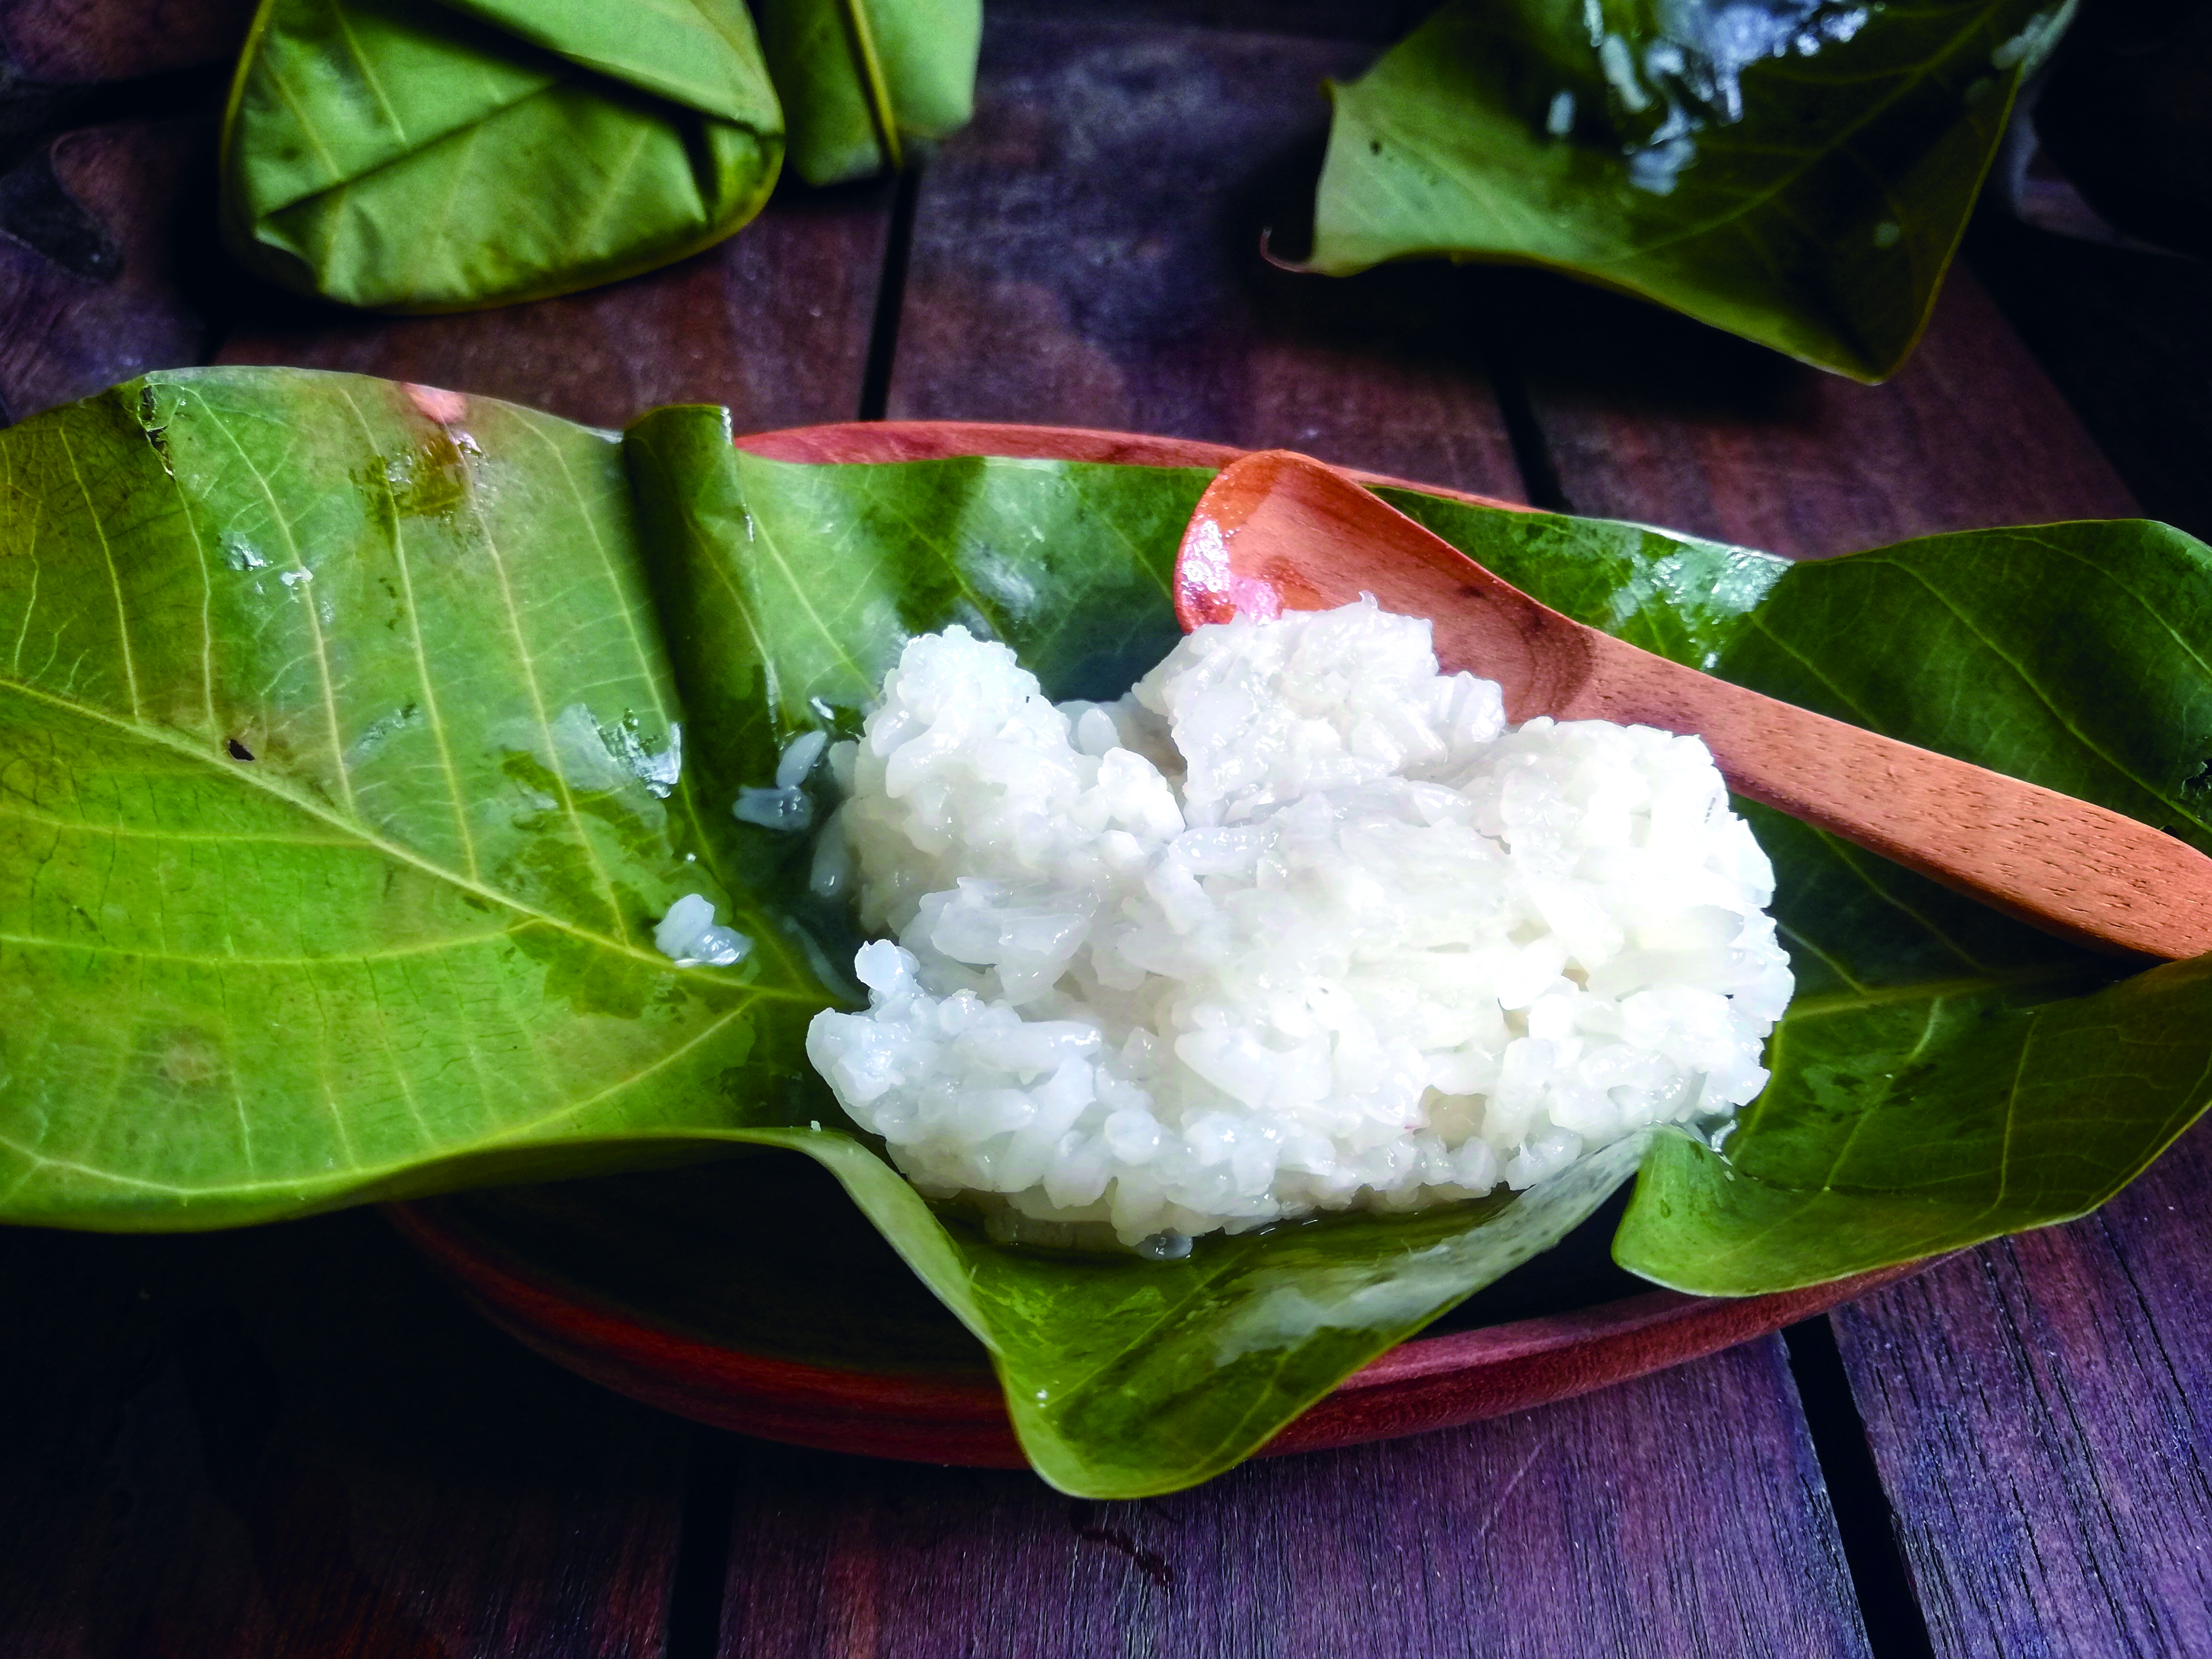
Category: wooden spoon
[1279,532]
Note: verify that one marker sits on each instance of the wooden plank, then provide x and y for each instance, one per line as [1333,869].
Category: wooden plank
[773,322]
[1682,1513]
[2040,1412]
[291,1440]
[99,229]
[1376,22]
[1646,415]
[1087,253]
[75,42]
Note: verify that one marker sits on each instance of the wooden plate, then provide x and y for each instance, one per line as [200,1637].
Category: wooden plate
[727,1293]
[753,1295]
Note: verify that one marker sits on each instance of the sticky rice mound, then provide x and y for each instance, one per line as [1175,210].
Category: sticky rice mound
[1299,925]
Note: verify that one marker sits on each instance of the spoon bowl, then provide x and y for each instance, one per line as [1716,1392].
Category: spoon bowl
[1279,532]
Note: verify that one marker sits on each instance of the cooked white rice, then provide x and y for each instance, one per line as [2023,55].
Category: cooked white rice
[689,934]
[1296,925]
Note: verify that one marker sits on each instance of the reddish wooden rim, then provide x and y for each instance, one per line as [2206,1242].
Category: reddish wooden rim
[937,440]
[960,1416]
[1430,1382]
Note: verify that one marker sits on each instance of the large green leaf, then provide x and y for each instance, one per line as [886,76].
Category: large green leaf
[1945,1074]
[333,741]
[1798,172]
[442,154]
[1682,596]
[339,788]
[862,78]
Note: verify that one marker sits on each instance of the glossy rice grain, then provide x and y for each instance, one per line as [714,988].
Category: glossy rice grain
[1297,926]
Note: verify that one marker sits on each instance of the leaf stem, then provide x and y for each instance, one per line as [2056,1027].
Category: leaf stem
[871,66]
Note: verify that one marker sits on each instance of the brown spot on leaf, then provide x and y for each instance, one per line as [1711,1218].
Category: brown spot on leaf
[438,404]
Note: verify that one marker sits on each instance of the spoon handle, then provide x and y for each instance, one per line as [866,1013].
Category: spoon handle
[2071,868]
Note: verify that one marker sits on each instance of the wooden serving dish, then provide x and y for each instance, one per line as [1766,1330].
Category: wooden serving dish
[654,1349]
[727,1294]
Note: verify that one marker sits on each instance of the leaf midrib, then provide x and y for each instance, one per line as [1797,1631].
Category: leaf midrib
[268,785]
[875,89]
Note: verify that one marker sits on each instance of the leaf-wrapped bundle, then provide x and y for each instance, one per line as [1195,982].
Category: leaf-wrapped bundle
[862,78]
[444,155]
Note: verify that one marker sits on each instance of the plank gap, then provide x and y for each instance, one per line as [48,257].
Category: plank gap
[891,298]
[702,1547]
[1540,474]
[1864,1521]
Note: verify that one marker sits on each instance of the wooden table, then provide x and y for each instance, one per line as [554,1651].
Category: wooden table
[294,1441]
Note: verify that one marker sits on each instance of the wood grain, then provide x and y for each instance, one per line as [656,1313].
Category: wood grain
[1681,1515]
[1378,22]
[62,43]
[291,1440]
[1088,254]
[102,228]
[2041,1413]
[774,323]
[1648,416]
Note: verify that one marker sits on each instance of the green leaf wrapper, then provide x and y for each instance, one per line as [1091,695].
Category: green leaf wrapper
[862,78]
[353,736]
[445,155]
[1946,1074]
[1797,171]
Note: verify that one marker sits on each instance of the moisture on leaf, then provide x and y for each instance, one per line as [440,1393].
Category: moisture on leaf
[1798,172]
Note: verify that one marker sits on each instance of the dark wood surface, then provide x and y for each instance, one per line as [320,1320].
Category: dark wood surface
[1087,254]
[2049,1398]
[294,1441]
[96,227]
[1682,1513]
[1653,417]
[84,43]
